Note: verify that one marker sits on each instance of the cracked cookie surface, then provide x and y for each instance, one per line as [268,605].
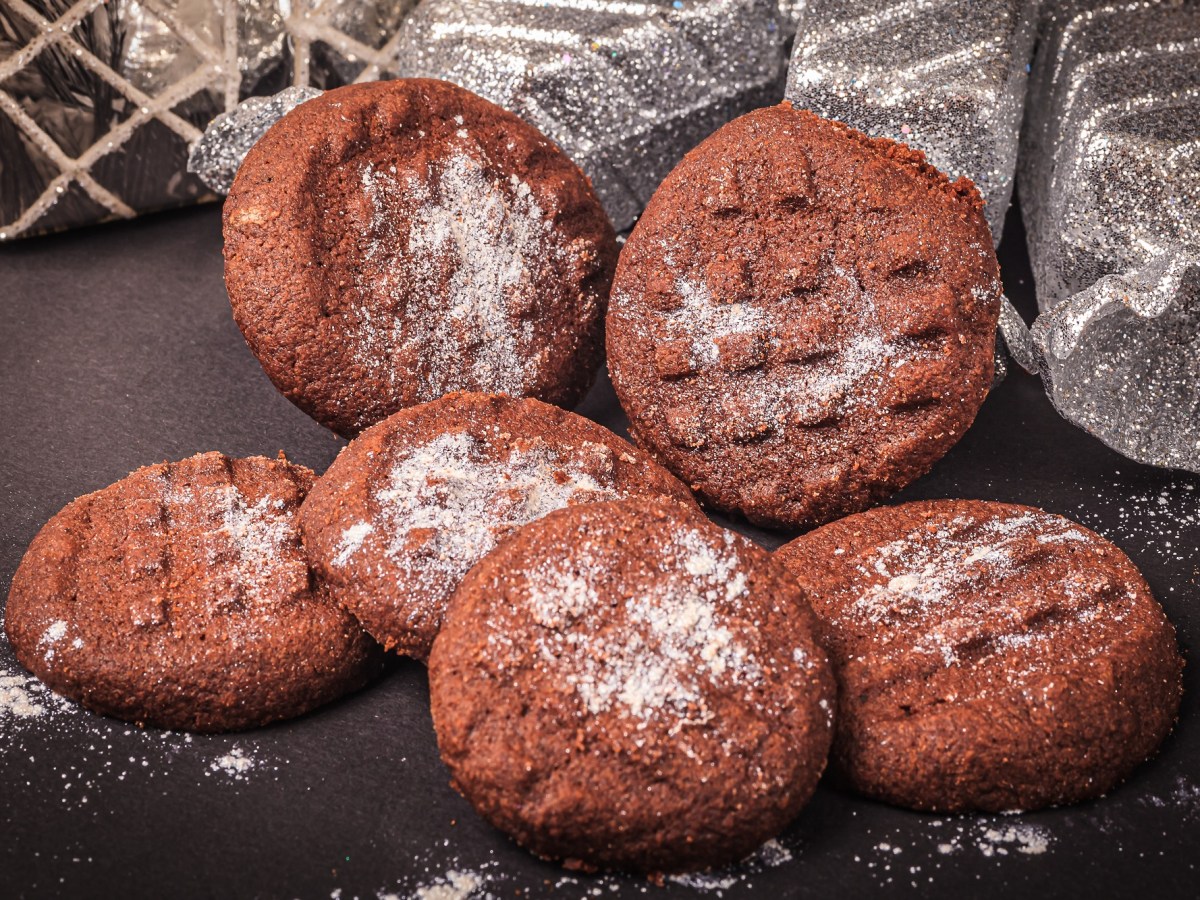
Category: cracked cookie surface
[989,656]
[626,685]
[803,320]
[412,503]
[180,597]
[391,242]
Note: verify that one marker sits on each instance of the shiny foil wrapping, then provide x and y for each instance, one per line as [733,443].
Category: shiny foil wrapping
[625,88]
[101,99]
[1121,359]
[1110,174]
[945,76]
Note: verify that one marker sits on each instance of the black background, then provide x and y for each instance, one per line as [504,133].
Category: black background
[118,350]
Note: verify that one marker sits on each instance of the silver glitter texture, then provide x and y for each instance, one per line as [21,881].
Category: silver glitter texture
[1013,343]
[1110,174]
[625,88]
[215,158]
[1121,360]
[945,76]
[792,12]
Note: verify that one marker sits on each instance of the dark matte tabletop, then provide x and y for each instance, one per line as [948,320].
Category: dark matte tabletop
[117,349]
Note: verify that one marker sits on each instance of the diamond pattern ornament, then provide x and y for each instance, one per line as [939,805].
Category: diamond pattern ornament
[100,99]
[1110,165]
[345,41]
[945,76]
[625,88]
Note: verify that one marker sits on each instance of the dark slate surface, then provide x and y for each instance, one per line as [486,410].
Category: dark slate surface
[117,350]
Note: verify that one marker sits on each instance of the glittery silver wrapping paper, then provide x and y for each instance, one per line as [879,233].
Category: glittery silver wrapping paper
[792,12]
[1013,342]
[215,158]
[1110,173]
[100,99]
[945,76]
[1121,360]
[625,88]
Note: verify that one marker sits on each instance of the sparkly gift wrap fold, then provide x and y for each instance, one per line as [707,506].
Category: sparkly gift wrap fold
[1110,193]
[945,76]
[1110,165]
[218,154]
[625,88]
[1121,360]
[100,99]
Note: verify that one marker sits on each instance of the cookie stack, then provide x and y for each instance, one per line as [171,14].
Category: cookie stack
[801,324]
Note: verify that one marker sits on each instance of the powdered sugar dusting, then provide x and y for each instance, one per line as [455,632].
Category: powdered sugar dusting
[849,378]
[1027,839]
[770,855]
[924,580]
[258,533]
[1160,520]
[491,240]
[913,852]
[927,570]
[992,838]
[677,641]
[17,699]
[53,634]
[237,764]
[703,321]
[446,504]
[681,636]
[454,885]
[352,539]
[441,873]
[846,374]
[62,746]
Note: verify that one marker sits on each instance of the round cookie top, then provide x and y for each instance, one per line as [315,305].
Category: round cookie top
[180,597]
[626,685]
[989,656]
[804,318]
[391,242]
[412,503]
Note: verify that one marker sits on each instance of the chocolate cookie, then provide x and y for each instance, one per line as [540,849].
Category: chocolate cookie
[803,320]
[180,597]
[626,685]
[989,656]
[388,243]
[410,505]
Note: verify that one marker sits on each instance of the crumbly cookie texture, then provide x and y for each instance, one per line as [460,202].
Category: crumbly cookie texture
[626,685]
[180,597]
[803,319]
[388,243]
[989,656]
[412,503]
